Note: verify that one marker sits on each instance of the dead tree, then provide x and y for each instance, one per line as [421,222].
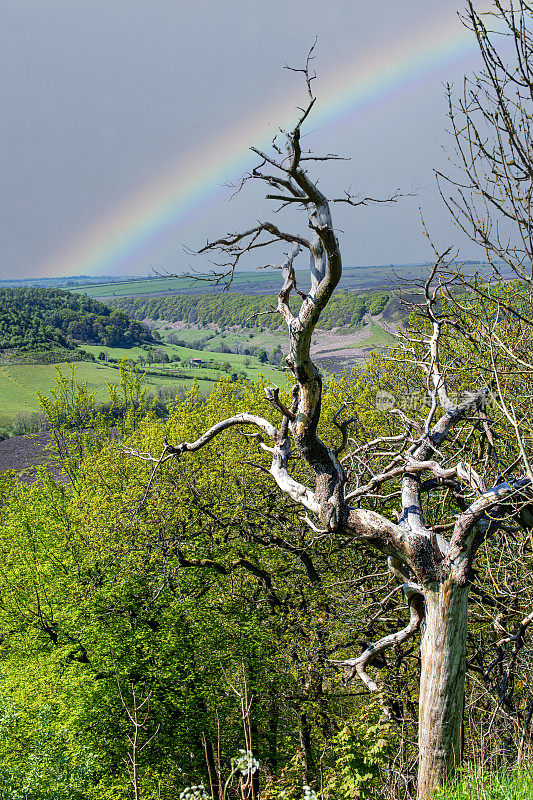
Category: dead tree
[435,572]
[489,193]
[138,713]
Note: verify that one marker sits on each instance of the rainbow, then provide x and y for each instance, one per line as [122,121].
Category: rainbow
[195,181]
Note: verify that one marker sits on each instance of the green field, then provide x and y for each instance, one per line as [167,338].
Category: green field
[255,338]
[378,337]
[253,282]
[20,383]
[237,362]
[246,282]
[131,288]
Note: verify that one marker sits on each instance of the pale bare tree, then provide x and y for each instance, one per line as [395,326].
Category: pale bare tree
[489,192]
[138,713]
[420,458]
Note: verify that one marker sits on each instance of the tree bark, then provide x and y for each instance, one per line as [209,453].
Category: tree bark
[305,744]
[442,683]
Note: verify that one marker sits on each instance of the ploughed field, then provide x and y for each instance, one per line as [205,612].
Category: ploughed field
[25,454]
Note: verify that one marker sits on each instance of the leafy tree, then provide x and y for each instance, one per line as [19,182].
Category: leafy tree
[276,356]
[107,581]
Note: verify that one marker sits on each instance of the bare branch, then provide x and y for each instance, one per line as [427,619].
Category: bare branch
[306,70]
[358,666]
[272,394]
[357,200]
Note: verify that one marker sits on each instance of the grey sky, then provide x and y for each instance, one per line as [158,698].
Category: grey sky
[98,96]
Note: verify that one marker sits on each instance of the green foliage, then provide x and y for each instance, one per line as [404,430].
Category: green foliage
[129,397]
[103,580]
[477,784]
[70,403]
[24,331]
[288,786]
[360,748]
[78,425]
[33,318]
[46,769]
[344,309]
[193,583]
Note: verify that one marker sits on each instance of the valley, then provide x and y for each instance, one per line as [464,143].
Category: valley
[227,338]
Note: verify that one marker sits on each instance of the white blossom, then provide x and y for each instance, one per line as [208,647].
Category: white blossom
[245,762]
[194,793]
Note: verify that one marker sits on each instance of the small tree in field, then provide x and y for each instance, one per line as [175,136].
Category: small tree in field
[376,493]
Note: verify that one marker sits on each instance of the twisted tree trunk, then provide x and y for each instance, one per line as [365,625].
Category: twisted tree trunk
[442,683]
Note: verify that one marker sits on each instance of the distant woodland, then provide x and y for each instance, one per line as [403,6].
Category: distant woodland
[32,318]
[344,309]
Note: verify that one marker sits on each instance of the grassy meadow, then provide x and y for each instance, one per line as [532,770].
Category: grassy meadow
[19,383]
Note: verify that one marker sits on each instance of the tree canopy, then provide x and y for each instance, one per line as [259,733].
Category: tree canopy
[39,318]
[346,309]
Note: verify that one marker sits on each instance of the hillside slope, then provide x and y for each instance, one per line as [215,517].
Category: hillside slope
[43,318]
